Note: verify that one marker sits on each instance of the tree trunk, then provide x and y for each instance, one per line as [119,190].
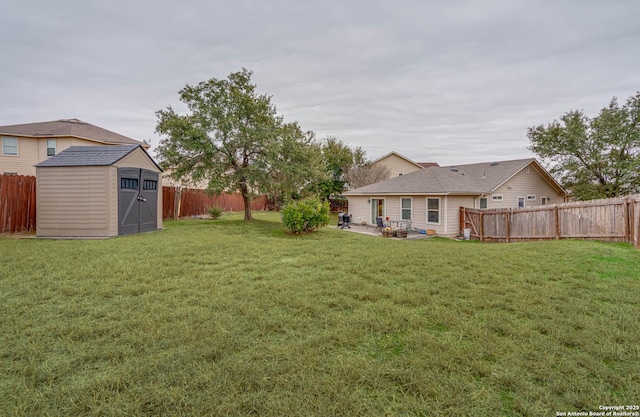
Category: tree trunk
[247,203]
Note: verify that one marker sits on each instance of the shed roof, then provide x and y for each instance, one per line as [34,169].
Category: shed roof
[68,127]
[75,156]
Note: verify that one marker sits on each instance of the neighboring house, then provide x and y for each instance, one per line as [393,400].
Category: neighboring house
[25,145]
[431,198]
[400,165]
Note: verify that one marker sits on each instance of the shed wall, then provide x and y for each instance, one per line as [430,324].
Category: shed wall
[75,201]
[138,159]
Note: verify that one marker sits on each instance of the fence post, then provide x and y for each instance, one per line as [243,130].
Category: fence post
[636,224]
[462,220]
[481,226]
[625,215]
[507,225]
[177,196]
[557,218]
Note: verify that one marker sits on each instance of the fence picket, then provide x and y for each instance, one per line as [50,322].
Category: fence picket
[615,219]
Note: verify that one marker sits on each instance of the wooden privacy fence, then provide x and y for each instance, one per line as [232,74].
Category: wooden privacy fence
[614,219]
[180,202]
[17,203]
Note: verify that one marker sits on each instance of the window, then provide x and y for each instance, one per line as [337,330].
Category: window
[484,202]
[406,208]
[543,201]
[496,197]
[531,197]
[149,185]
[10,146]
[51,147]
[129,183]
[520,202]
[433,210]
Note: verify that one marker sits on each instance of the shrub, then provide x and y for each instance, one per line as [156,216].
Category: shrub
[215,212]
[305,215]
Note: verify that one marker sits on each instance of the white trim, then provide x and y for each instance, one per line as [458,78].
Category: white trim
[410,208]
[384,208]
[426,200]
[17,146]
[47,147]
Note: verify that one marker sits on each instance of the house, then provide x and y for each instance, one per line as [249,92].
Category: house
[399,164]
[430,198]
[25,145]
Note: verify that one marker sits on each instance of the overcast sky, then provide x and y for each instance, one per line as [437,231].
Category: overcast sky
[446,81]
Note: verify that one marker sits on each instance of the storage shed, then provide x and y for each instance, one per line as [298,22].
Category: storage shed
[98,191]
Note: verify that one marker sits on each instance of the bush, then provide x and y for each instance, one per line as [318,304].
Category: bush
[215,212]
[305,215]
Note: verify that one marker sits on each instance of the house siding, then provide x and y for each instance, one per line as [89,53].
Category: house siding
[397,165]
[453,212]
[521,185]
[360,209]
[32,151]
[23,163]
[75,201]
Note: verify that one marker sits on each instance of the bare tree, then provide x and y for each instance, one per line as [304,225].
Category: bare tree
[361,175]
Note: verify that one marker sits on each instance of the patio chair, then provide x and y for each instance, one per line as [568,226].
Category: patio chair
[380,223]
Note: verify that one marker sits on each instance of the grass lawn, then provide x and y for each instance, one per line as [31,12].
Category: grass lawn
[232,318]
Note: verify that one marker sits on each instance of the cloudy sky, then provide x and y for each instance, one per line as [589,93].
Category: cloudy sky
[446,81]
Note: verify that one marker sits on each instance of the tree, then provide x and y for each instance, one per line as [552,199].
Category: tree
[230,137]
[594,158]
[338,159]
[295,165]
[361,175]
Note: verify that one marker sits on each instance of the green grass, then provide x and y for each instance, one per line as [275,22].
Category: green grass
[232,318]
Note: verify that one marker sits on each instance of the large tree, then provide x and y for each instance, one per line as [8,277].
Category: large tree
[338,159]
[597,157]
[231,137]
[295,165]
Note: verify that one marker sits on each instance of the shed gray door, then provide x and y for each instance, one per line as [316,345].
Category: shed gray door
[137,200]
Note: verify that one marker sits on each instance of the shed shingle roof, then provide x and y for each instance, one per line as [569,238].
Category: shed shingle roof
[91,156]
[68,127]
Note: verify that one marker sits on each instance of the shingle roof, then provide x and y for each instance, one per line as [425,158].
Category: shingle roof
[91,156]
[459,179]
[68,127]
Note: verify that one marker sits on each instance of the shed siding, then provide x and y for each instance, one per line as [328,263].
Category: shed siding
[521,185]
[137,159]
[73,201]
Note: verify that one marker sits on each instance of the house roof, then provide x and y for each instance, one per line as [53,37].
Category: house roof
[428,164]
[399,156]
[75,156]
[473,179]
[69,127]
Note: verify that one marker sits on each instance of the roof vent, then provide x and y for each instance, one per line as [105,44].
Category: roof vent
[454,169]
[493,164]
